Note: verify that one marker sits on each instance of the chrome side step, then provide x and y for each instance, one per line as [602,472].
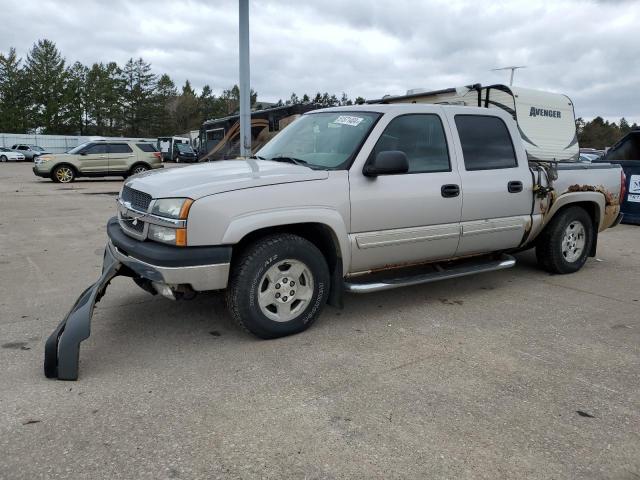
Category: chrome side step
[505,261]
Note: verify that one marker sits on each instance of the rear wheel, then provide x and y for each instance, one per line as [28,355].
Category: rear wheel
[63,174]
[564,245]
[3,158]
[279,286]
[139,168]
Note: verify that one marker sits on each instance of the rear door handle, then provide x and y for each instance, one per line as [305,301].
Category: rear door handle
[514,186]
[450,190]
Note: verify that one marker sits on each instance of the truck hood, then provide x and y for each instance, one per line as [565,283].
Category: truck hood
[197,181]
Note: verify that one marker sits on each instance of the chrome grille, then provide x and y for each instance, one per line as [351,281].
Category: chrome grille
[129,224]
[138,200]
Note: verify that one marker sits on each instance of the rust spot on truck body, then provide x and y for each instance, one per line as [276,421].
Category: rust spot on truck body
[609,197]
[611,202]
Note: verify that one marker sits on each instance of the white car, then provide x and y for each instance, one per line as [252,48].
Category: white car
[7,154]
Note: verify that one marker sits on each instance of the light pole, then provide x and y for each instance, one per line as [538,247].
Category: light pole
[245,89]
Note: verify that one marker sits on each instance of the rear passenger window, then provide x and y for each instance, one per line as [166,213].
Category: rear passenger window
[421,137]
[119,148]
[146,147]
[486,143]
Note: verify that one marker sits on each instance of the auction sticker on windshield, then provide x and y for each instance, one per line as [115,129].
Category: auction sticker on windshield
[348,120]
[634,189]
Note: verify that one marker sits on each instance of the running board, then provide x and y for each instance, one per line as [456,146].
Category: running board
[440,273]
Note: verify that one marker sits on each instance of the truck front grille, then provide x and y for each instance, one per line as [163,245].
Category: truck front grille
[128,223]
[138,200]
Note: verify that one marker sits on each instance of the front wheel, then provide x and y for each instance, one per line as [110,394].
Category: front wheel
[564,245]
[278,286]
[63,174]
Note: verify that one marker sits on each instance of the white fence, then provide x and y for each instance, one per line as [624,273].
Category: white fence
[55,143]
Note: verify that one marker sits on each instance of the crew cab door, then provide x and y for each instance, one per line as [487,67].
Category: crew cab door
[94,159]
[121,157]
[497,194]
[406,218]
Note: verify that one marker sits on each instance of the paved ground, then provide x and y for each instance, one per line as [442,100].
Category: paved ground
[482,377]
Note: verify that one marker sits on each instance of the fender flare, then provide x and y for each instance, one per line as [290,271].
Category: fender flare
[240,227]
[569,198]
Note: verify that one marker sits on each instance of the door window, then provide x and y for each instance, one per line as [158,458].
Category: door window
[119,148]
[96,149]
[486,143]
[421,137]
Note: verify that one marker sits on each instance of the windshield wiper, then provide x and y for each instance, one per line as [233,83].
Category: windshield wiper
[256,157]
[293,160]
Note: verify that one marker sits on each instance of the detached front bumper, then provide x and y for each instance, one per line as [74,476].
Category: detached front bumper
[204,268]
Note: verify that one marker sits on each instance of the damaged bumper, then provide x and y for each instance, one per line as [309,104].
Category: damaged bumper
[201,268]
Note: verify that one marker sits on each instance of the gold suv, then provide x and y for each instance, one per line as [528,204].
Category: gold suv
[98,159]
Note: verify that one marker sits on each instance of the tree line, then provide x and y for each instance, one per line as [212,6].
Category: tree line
[599,133]
[45,94]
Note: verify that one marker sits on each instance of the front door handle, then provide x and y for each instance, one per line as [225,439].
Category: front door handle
[514,186]
[450,190]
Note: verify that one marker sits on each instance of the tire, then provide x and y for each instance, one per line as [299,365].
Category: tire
[3,158]
[256,295]
[138,168]
[63,174]
[564,245]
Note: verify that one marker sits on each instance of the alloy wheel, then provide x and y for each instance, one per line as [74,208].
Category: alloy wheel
[573,241]
[285,290]
[64,174]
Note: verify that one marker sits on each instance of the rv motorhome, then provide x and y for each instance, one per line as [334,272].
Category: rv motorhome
[546,120]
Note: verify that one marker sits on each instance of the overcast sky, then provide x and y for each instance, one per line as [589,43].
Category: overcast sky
[589,50]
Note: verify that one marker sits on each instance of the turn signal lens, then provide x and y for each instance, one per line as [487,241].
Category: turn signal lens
[184,211]
[181,237]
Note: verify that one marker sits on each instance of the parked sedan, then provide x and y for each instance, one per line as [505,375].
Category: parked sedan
[7,155]
[30,152]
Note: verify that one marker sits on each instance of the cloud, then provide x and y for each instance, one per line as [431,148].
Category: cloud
[587,50]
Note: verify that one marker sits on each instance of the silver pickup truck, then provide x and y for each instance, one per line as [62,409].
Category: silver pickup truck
[355,199]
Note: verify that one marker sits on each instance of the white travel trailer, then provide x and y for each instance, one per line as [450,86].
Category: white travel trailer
[546,120]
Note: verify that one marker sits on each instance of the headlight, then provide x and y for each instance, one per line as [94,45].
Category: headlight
[172,236]
[42,159]
[177,208]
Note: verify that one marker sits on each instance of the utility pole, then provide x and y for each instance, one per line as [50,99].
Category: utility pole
[245,89]
[513,69]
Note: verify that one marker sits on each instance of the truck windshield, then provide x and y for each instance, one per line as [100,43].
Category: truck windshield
[326,140]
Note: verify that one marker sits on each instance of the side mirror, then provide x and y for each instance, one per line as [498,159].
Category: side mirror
[83,153]
[391,162]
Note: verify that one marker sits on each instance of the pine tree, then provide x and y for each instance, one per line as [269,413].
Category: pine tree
[164,101]
[139,86]
[187,110]
[45,69]
[75,100]
[13,95]
[105,98]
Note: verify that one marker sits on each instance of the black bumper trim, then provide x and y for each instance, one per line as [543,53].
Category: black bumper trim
[165,255]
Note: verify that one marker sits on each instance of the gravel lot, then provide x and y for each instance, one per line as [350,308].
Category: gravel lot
[513,374]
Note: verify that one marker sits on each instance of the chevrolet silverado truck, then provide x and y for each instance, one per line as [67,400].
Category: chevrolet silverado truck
[347,199]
